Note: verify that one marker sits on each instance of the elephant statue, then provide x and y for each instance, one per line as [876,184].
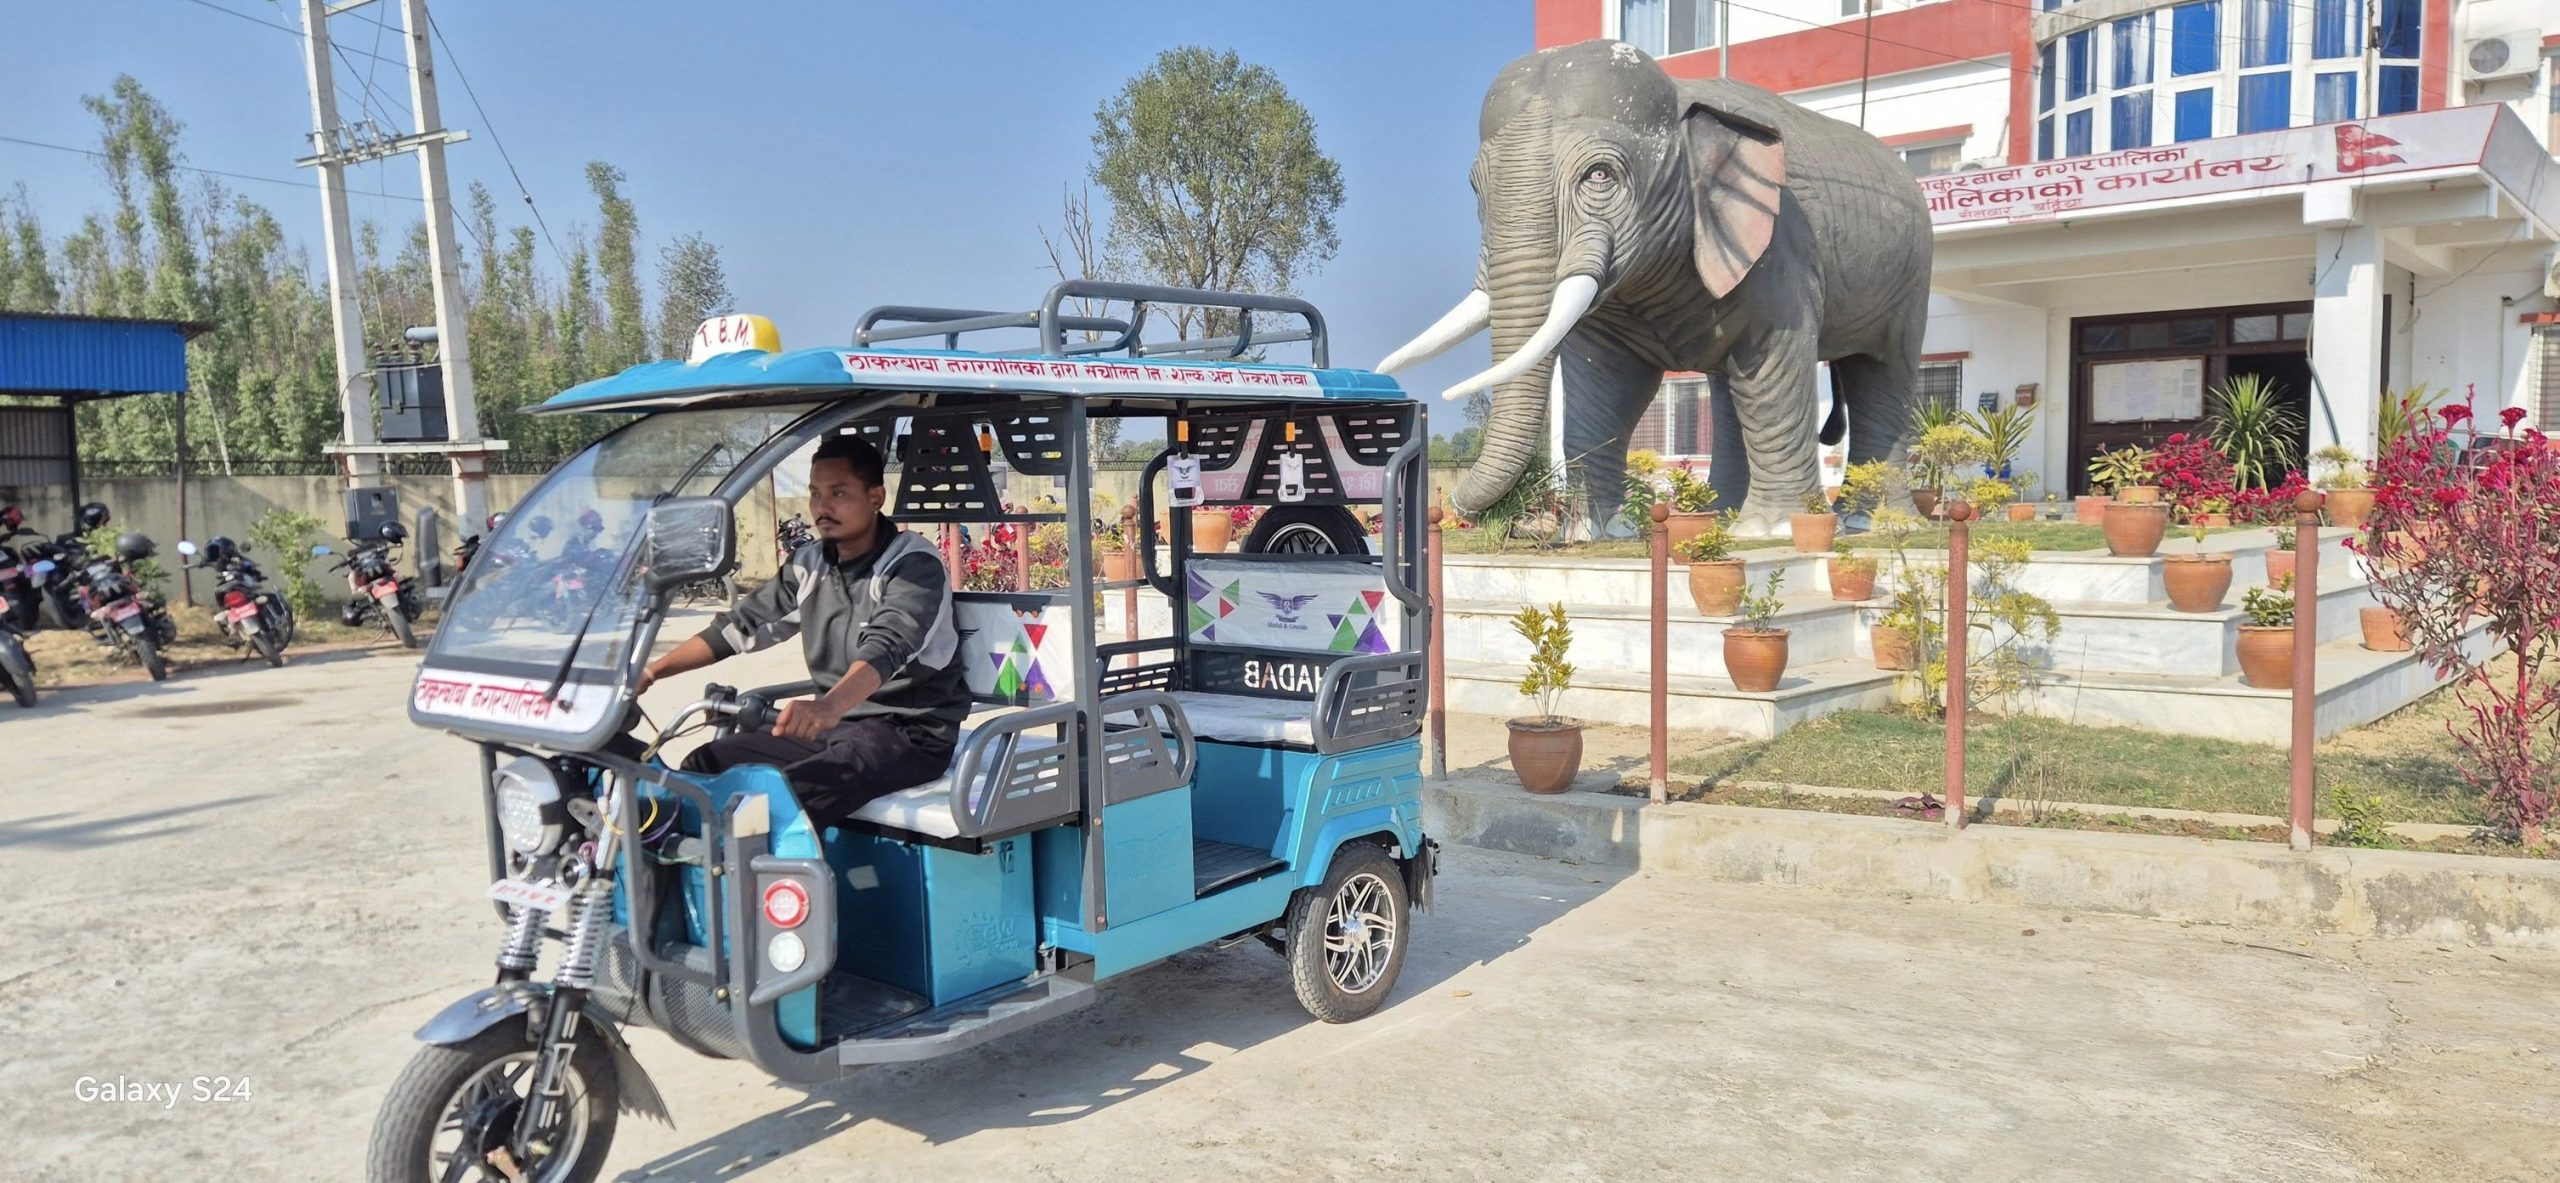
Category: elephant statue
[1633,226]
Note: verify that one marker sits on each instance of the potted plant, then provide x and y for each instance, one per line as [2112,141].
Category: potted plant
[1119,552]
[2266,641]
[2345,479]
[1813,528]
[1715,576]
[1989,494]
[2280,563]
[1941,453]
[1546,748]
[1755,654]
[1896,635]
[1853,575]
[1692,505]
[2211,513]
[2126,473]
[2196,581]
[2248,421]
[2384,631]
[1211,529]
[2134,528]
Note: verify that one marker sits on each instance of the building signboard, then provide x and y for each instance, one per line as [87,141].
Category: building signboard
[2231,164]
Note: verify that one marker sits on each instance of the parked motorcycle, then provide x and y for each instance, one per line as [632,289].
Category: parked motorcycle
[250,616]
[17,590]
[381,594]
[54,568]
[470,548]
[121,615]
[17,670]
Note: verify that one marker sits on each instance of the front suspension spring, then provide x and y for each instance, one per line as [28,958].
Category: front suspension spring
[590,914]
[524,942]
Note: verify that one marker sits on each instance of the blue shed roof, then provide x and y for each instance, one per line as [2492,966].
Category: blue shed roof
[88,357]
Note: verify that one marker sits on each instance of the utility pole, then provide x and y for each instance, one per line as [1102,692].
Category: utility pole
[362,449]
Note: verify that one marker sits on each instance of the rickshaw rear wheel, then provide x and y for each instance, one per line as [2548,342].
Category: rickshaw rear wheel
[453,1094]
[1307,530]
[1346,936]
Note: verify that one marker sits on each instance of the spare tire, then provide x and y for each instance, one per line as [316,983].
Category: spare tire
[1307,530]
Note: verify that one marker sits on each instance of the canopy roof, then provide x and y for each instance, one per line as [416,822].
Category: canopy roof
[77,358]
[810,375]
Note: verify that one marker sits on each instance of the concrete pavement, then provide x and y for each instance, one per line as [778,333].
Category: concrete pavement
[271,875]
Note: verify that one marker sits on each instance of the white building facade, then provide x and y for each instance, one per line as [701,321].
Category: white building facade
[2137,201]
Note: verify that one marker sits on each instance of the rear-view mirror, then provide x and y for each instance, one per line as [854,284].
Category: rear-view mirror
[686,539]
[320,550]
[186,548]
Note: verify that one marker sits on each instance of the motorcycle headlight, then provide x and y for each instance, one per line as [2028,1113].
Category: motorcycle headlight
[530,810]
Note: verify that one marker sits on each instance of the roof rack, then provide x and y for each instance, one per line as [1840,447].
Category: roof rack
[908,322]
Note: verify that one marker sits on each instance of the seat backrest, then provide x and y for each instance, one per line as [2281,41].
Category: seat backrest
[1015,650]
[1269,625]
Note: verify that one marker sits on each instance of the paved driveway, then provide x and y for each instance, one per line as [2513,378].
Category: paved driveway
[271,875]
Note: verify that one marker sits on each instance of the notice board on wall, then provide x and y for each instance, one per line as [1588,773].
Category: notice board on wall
[2145,391]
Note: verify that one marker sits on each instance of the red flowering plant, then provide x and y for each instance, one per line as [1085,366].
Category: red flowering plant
[2190,471]
[2465,535]
[2268,507]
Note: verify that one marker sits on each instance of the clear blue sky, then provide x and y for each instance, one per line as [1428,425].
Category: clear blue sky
[842,154]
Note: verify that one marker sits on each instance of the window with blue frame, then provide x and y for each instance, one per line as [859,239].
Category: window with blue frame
[2333,97]
[2195,38]
[2129,125]
[2132,47]
[2079,69]
[2044,138]
[2194,115]
[2337,28]
[2400,21]
[2266,36]
[2266,101]
[2396,90]
[2044,78]
[2076,129]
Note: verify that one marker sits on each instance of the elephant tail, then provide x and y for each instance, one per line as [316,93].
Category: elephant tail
[1836,424]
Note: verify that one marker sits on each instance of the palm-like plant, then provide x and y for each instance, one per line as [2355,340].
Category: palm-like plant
[2250,423]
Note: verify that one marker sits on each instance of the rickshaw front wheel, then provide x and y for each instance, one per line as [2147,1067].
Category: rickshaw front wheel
[1346,936]
[460,1101]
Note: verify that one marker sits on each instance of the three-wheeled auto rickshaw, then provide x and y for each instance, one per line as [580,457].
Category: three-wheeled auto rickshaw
[1251,773]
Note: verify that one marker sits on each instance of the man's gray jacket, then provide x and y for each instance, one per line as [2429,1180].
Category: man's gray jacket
[890,608]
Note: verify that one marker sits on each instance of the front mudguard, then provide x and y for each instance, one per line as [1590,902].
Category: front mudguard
[1419,872]
[482,1009]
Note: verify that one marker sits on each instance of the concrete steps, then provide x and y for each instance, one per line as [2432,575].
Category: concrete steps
[1698,701]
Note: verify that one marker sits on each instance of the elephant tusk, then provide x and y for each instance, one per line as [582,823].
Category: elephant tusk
[1466,320]
[1573,297]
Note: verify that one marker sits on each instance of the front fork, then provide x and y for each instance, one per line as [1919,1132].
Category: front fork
[590,924]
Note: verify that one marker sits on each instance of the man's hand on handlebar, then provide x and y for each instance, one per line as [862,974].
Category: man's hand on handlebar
[805,718]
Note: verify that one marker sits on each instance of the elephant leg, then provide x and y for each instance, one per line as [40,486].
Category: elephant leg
[1607,390]
[1729,463]
[1775,404]
[1877,393]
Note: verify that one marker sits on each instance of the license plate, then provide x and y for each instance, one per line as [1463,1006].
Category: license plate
[245,613]
[550,897]
[385,589]
[122,609]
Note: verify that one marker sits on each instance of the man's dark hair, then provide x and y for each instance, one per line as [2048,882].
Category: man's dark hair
[854,450]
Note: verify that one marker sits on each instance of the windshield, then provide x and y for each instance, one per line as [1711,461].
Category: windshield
[559,555]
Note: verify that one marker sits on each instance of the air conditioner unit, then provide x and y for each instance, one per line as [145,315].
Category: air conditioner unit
[2507,55]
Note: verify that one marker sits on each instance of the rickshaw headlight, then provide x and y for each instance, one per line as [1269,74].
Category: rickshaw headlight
[530,812]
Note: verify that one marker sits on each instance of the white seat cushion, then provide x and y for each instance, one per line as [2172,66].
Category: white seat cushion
[924,809]
[1242,718]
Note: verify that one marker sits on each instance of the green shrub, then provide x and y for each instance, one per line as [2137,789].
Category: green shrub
[283,536]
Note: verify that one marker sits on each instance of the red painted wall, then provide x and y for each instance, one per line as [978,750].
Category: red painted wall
[1563,22]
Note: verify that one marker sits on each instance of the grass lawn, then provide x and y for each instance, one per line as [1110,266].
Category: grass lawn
[2407,759]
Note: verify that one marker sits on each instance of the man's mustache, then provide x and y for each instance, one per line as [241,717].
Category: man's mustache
[823,520]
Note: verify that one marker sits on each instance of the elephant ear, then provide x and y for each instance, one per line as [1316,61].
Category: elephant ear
[1737,170]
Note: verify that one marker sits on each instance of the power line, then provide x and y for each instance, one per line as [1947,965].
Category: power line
[285,29]
[207,171]
[455,60]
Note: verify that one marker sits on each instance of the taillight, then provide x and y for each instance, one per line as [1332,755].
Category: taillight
[786,903]
[234,598]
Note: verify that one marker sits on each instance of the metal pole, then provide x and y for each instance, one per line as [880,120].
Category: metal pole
[2306,643]
[355,405]
[1022,556]
[950,560]
[453,330]
[1959,582]
[1130,539]
[186,573]
[1660,692]
[1866,61]
[1438,659]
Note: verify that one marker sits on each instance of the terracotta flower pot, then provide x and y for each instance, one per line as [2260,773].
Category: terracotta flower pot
[2134,528]
[1755,658]
[2210,521]
[2350,507]
[1926,501]
[2091,510]
[1893,648]
[1685,526]
[1211,529]
[1119,566]
[2384,631]
[2022,511]
[2138,494]
[1546,755]
[1813,531]
[1716,586]
[2266,655]
[2279,565]
[1853,579]
[2196,582]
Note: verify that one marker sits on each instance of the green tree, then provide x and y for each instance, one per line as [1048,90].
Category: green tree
[626,323]
[692,288]
[1214,177]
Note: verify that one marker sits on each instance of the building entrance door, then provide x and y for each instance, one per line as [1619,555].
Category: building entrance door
[2137,380]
